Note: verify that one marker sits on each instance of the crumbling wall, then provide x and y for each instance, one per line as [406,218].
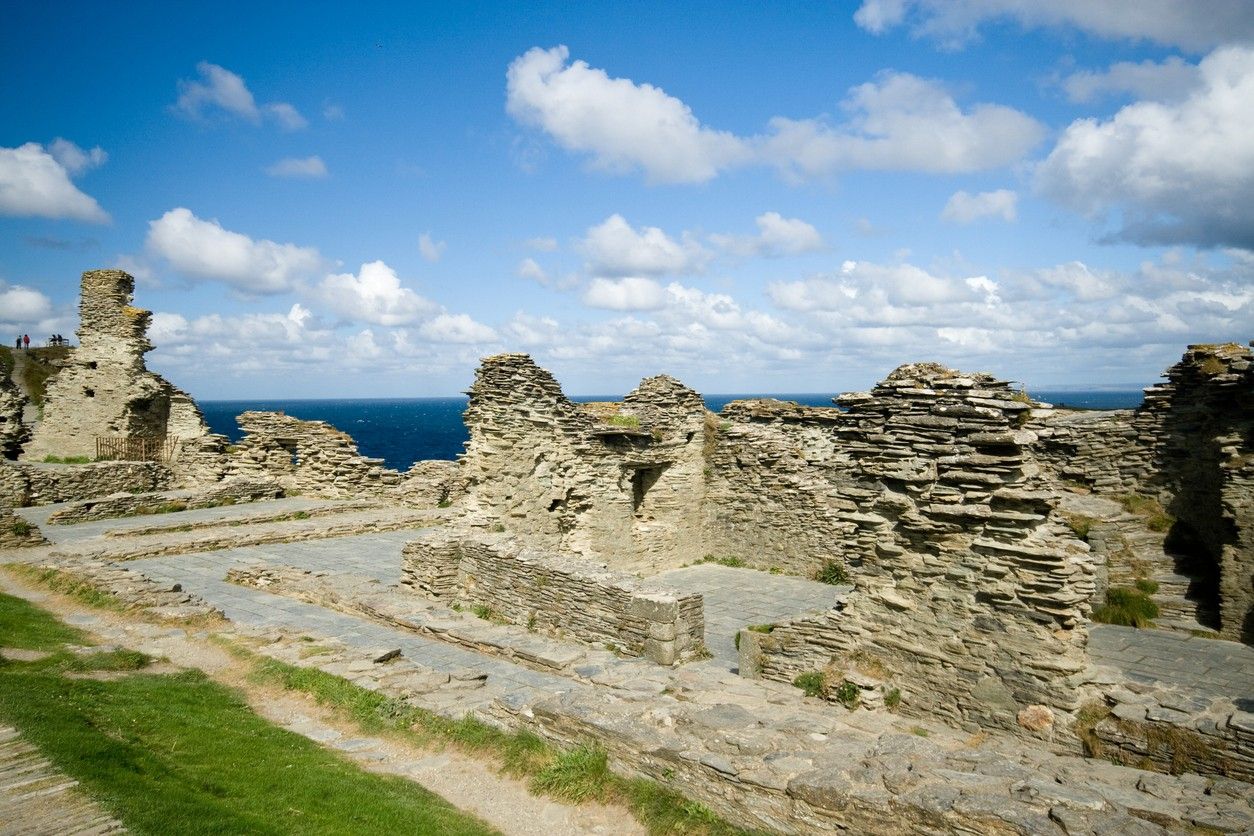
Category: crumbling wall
[562,596]
[106,390]
[1111,452]
[306,457]
[624,486]
[23,484]
[971,595]
[13,432]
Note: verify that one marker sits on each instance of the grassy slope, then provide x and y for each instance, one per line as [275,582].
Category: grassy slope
[179,753]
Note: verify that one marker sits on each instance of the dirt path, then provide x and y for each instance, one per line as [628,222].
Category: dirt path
[466,782]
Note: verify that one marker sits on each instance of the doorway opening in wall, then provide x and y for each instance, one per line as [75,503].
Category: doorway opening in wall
[642,480]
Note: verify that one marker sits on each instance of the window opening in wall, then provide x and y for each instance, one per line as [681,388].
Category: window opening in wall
[91,393]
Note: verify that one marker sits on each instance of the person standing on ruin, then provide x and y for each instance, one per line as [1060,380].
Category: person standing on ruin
[17,343]
[26,342]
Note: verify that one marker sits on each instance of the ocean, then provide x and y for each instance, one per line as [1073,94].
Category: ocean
[402,431]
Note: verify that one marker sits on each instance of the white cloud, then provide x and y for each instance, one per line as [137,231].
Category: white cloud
[74,159]
[623,125]
[1170,80]
[964,207]
[34,184]
[221,90]
[1173,22]
[139,268]
[632,293]
[430,249]
[614,248]
[203,249]
[901,122]
[299,167]
[456,328]
[288,117]
[1179,172]
[374,295]
[777,236]
[529,269]
[332,112]
[23,304]
[898,122]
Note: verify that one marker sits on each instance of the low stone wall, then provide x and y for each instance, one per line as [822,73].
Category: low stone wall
[16,532]
[433,483]
[565,596]
[229,492]
[24,484]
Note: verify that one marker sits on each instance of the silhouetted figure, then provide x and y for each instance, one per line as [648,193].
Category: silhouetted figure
[26,342]
[17,343]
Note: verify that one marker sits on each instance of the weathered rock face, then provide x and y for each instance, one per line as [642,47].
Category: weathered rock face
[107,390]
[13,433]
[23,484]
[624,486]
[971,596]
[1191,445]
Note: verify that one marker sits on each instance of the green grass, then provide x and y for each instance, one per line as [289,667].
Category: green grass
[892,699]
[733,562]
[1149,509]
[848,694]
[811,683]
[833,573]
[67,584]
[67,459]
[182,754]
[579,773]
[20,527]
[1128,607]
[1079,524]
[630,422]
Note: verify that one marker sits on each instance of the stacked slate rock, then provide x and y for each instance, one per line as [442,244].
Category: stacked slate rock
[307,456]
[969,591]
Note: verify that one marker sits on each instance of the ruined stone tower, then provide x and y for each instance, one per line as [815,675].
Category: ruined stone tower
[107,390]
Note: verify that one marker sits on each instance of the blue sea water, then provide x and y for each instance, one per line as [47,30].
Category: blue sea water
[402,431]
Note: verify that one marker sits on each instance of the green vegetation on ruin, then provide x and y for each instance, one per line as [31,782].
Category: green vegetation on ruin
[578,774]
[811,683]
[40,367]
[1079,524]
[20,527]
[1129,606]
[1149,509]
[629,422]
[178,753]
[729,560]
[67,584]
[51,459]
[833,573]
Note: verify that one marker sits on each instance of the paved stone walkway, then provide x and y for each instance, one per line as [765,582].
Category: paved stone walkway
[35,798]
[377,555]
[1158,656]
[736,598]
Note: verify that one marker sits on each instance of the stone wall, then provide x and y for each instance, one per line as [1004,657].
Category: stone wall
[13,432]
[971,595]
[623,483]
[563,596]
[16,532]
[229,492]
[23,484]
[106,390]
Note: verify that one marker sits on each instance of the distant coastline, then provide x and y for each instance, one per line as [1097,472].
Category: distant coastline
[402,431]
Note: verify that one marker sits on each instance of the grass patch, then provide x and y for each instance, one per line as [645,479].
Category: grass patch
[20,527]
[50,459]
[848,694]
[733,562]
[579,773]
[920,731]
[833,573]
[68,584]
[1079,524]
[630,422]
[1128,607]
[892,699]
[1146,586]
[24,625]
[1149,509]
[811,683]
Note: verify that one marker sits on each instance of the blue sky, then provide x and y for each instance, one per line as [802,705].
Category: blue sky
[320,200]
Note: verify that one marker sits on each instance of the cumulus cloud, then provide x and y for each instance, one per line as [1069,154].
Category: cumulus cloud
[203,249]
[1173,22]
[34,183]
[528,268]
[374,295]
[632,293]
[299,167]
[456,328]
[964,207]
[74,159]
[897,122]
[623,125]
[1178,172]
[332,112]
[220,91]
[777,236]
[23,304]
[1169,80]
[430,249]
[901,122]
[614,248]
